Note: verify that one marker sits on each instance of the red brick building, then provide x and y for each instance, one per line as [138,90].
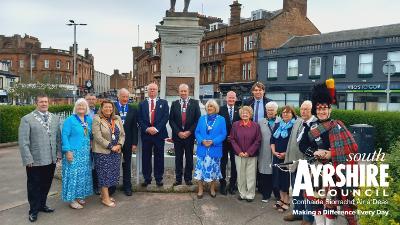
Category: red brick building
[121,80]
[48,65]
[229,53]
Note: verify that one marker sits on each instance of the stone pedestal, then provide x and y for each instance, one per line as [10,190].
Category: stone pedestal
[180,35]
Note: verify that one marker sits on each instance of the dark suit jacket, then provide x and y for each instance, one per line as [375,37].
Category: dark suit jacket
[250,102]
[192,116]
[160,120]
[130,126]
[224,112]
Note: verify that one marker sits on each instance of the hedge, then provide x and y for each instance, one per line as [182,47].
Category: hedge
[393,191]
[385,123]
[10,117]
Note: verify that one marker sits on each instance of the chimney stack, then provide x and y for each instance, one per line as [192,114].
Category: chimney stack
[236,7]
[301,5]
[86,53]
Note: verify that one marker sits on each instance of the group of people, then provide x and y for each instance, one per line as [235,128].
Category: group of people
[253,137]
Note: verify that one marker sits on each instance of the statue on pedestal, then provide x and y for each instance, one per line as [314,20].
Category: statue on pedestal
[185,9]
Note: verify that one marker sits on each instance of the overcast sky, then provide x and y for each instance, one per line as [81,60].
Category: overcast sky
[113,25]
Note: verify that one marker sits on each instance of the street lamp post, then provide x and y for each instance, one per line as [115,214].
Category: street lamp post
[388,69]
[72,23]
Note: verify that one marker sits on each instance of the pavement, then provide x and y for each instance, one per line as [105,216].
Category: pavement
[142,208]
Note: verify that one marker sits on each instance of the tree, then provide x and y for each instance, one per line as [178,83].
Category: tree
[27,92]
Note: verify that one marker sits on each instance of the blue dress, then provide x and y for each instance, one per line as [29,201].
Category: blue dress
[208,165]
[76,175]
[107,165]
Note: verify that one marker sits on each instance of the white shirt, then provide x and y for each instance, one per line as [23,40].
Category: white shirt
[233,111]
[302,129]
[155,103]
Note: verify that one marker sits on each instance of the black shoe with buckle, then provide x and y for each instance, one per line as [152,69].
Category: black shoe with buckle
[189,183]
[33,217]
[160,184]
[46,209]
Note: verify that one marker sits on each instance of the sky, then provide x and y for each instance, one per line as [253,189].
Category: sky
[112,27]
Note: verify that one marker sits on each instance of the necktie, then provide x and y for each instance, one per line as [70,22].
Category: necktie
[184,114]
[152,112]
[256,114]
[231,114]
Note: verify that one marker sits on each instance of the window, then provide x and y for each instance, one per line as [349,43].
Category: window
[293,68]
[46,63]
[216,47]
[248,43]
[204,50]
[222,46]
[339,65]
[365,64]
[1,83]
[21,63]
[315,66]
[58,64]
[272,69]
[246,71]
[394,57]
[33,63]
[223,73]
[210,49]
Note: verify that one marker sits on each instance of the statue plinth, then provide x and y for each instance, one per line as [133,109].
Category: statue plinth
[180,14]
[180,35]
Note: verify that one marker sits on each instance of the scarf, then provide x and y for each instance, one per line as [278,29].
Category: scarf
[271,122]
[341,140]
[283,128]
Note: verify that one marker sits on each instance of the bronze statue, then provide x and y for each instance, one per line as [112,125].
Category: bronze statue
[185,9]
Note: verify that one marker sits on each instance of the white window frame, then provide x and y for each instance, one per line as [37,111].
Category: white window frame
[394,58]
[315,66]
[204,50]
[222,46]
[210,49]
[21,63]
[339,64]
[216,47]
[244,71]
[365,63]
[272,69]
[46,63]
[33,63]
[58,64]
[69,65]
[293,68]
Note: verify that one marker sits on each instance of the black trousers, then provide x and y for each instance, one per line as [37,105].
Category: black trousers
[38,184]
[150,145]
[126,167]
[184,147]
[265,185]
[227,149]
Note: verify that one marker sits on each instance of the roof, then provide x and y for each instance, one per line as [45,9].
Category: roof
[7,74]
[346,35]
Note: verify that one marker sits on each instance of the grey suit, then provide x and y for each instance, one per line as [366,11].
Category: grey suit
[41,148]
[265,155]
[35,144]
